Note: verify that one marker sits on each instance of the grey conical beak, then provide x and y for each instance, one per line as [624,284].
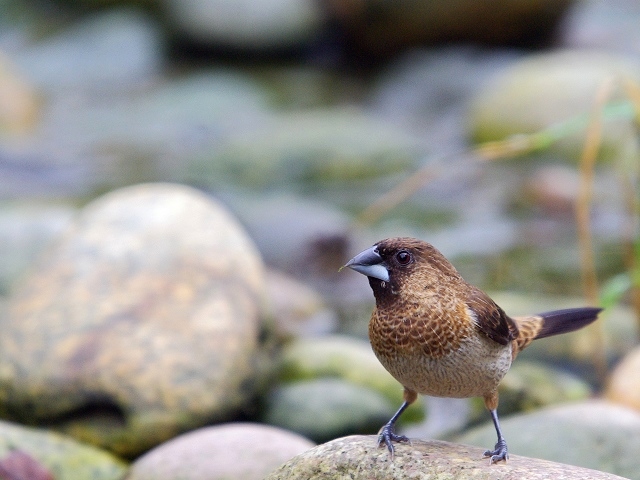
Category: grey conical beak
[369,263]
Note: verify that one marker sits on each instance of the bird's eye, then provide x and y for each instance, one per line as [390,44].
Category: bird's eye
[403,257]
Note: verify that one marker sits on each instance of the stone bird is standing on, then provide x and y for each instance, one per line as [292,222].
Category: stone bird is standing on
[440,336]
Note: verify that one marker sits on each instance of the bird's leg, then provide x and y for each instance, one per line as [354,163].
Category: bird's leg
[499,451]
[387,434]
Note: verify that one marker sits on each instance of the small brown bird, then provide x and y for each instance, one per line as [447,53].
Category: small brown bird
[440,336]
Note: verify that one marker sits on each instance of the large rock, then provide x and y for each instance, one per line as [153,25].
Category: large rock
[63,457]
[546,89]
[359,458]
[595,434]
[238,450]
[624,383]
[141,322]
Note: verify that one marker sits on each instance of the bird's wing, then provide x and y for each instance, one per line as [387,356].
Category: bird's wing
[490,318]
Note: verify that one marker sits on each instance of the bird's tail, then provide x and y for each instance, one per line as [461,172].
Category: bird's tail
[552,323]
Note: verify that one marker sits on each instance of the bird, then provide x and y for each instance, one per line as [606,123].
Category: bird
[440,336]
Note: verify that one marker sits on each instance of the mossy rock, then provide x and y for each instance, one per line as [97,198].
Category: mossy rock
[63,457]
[327,408]
[347,358]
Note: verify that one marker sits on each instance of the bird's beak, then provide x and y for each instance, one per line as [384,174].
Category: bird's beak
[369,263]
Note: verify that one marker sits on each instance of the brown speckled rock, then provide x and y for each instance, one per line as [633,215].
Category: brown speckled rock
[141,322]
[246,451]
[359,458]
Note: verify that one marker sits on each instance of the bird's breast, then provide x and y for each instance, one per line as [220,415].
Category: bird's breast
[413,329]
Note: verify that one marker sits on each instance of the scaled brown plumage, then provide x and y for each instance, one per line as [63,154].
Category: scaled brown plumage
[440,336]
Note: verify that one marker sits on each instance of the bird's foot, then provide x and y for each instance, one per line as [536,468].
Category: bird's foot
[499,453]
[388,436]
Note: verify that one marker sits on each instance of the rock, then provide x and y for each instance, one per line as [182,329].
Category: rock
[61,455]
[190,112]
[383,29]
[154,133]
[348,358]
[246,24]
[596,24]
[359,458]
[20,465]
[327,408]
[549,88]
[291,230]
[530,385]
[296,308]
[623,386]
[141,322]
[237,450]
[160,132]
[593,434]
[19,105]
[445,415]
[108,50]
[427,92]
[554,189]
[308,148]
[302,85]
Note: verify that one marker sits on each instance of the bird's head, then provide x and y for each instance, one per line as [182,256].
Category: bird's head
[403,266]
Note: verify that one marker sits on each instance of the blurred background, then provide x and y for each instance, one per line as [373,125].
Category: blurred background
[504,133]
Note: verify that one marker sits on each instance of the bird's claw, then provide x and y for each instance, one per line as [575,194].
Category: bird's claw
[499,453]
[387,436]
